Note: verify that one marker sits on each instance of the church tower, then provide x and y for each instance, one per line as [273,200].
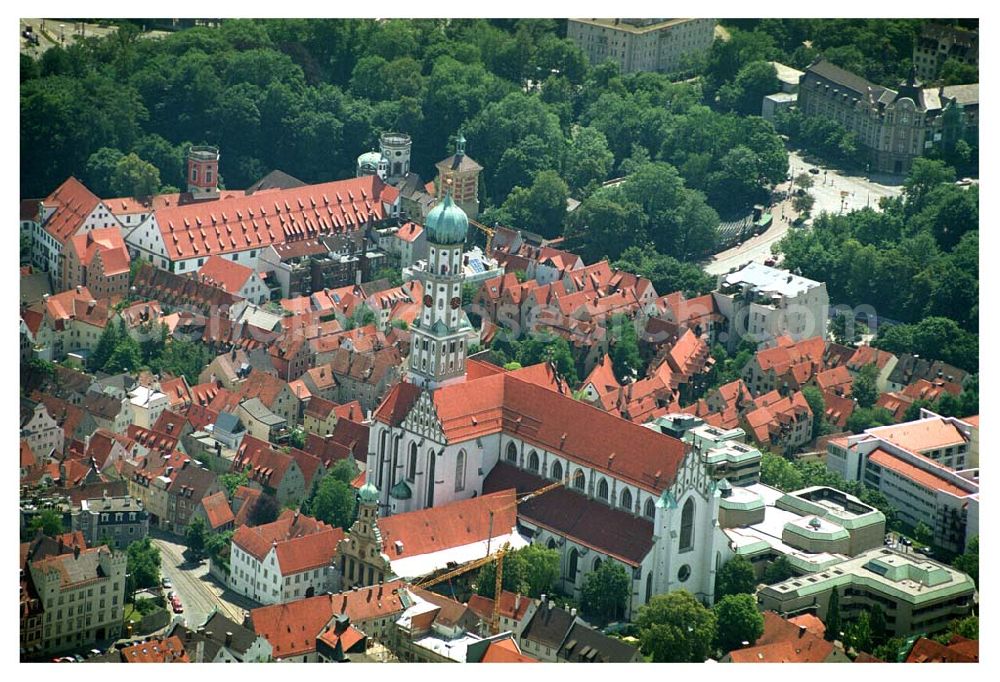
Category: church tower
[437,356]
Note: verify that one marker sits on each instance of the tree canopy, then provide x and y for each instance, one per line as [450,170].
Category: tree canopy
[606,591]
[735,577]
[676,628]
[738,622]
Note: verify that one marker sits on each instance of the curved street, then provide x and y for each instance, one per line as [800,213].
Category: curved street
[199,592]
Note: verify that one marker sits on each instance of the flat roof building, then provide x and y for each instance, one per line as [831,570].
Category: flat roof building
[916,594]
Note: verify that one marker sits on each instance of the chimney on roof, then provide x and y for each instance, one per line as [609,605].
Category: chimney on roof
[572,612]
[78,288]
[517,602]
[802,631]
[76,551]
[229,639]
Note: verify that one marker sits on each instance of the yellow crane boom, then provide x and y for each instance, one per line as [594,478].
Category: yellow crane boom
[496,556]
[488,231]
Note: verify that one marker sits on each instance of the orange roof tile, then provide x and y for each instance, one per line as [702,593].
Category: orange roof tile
[452,525]
[239,222]
[226,274]
[217,510]
[928,651]
[169,650]
[505,651]
[73,202]
[919,476]
[292,628]
[921,435]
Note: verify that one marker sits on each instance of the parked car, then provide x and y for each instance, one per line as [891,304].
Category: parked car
[166,584]
[906,541]
[814,171]
[926,551]
[177,608]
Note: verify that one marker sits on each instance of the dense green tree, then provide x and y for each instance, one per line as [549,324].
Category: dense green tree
[864,418]
[814,397]
[106,345]
[588,159]
[666,273]
[540,208]
[344,471]
[101,168]
[858,634]
[878,626]
[675,628]
[968,562]
[196,536]
[499,128]
[134,177]
[602,227]
[143,563]
[923,533]
[265,510]
[531,570]
[864,388]
[49,521]
[334,503]
[778,571]
[738,622]
[955,72]
[606,591]
[625,358]
[832,621]
[231,481]
[735,577]
[747,90]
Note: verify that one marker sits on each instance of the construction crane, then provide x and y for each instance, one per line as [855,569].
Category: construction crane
[488,231]
[496,556]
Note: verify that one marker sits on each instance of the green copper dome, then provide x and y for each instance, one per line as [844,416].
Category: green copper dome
[368,493]
[446,223]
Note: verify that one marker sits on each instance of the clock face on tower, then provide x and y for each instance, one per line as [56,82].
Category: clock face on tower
[428,301]
[455,302]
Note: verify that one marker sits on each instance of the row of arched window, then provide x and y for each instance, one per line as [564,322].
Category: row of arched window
[625,500]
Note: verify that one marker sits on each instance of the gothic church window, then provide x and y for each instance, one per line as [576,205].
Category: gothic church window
[460,471]
[687,526]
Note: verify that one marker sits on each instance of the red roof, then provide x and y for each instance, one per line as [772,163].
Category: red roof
[217,510]
[919,476]
[452,525]
[409,231]
[292,628]
[483,606]
[73,203]
[169,650]
[602,377]
[959,650]
[505,651]
[106,240]
[254,221]
[550,420]
[301,542]
[226,274]
[838,409]
[785,642]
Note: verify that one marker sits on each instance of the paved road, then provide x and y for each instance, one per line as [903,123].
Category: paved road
[198,591]
[830,185]
[827,191]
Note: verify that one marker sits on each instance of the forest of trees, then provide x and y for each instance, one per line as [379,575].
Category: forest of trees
[307,97]
[917,262]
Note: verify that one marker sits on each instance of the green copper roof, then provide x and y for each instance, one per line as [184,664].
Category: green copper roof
[446,223]
[368,493]
[401,491]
